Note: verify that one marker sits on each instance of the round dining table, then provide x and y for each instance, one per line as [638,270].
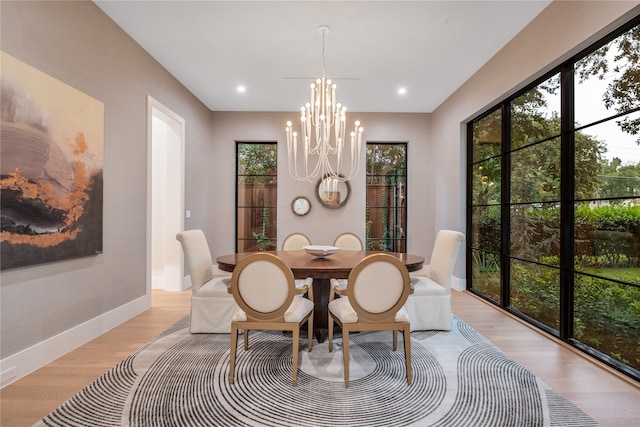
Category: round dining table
[321,269]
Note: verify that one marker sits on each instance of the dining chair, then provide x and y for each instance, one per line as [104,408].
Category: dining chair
[429,307]
[264,289]
[212,307]
[348,241]
[376,292]
[295,241]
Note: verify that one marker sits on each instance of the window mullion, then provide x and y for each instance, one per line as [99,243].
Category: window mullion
[567,204]
[505,207]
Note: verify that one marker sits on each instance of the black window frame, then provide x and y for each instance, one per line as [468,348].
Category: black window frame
[568,199]
[272,207]
[392,244]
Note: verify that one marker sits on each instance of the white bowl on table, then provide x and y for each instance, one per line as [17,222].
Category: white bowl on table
[320,251]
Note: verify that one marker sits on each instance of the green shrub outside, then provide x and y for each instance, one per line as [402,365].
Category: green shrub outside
[607,244]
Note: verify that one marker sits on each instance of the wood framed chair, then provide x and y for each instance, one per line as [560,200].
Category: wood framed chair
[295,241]
[348,241]
[264,289]
[376,292]
[212,307]
[429,307]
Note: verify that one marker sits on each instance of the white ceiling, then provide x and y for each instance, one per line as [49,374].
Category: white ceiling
[273,48]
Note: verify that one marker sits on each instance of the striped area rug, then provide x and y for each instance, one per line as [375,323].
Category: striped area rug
[179,379]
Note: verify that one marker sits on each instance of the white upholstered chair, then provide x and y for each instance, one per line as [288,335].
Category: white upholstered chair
[348,241]
[264,289]
[377,290]
[295,241]
[429,306]
[212,307]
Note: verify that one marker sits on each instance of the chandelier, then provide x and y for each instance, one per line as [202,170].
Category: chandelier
[320,150]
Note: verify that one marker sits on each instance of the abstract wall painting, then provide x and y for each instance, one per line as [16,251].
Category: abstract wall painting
[51,163]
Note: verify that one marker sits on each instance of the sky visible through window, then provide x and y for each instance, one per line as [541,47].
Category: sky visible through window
[590,107]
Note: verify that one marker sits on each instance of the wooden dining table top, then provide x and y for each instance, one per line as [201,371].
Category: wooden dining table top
[338,265]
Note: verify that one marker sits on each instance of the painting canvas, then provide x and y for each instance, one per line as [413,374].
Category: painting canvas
[51,161]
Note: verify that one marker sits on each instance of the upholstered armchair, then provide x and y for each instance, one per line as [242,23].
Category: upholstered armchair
[429,307]
[212,307]
[376,292]
[264,289]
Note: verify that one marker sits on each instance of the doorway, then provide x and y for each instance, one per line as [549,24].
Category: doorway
[165,196]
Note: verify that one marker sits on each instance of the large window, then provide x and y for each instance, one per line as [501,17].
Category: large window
[386,197]
[485,196]
[256,196]
[554,202]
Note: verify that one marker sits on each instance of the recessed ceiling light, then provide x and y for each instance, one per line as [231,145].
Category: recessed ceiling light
[402,91]
[241,89]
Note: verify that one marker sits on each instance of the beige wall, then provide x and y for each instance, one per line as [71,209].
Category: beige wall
[75,42]
[321,224]
[561,30]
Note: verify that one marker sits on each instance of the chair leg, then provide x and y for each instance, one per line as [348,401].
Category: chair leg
[310,331]
[232,353]
[295,349]
[407,352]
[395,340]
[330,332]
[246,339]
[345,354]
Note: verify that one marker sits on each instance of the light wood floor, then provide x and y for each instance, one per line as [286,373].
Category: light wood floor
[612,399]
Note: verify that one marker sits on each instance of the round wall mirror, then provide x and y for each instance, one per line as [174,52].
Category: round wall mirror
[301,206]
[332,193]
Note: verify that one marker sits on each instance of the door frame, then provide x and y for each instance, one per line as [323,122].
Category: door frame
[151,105]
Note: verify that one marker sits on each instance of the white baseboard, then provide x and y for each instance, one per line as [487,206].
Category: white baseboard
[458,284]
[157,282]
[186,282]
[28,360]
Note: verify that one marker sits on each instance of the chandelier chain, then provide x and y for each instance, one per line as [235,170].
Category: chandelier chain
[324,31]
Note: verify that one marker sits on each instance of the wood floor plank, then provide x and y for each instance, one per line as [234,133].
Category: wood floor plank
[609,397]
[612,399]
[29,399]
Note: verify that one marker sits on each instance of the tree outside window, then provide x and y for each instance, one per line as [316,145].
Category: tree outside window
[562,181]
[256,196]
[386,212]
